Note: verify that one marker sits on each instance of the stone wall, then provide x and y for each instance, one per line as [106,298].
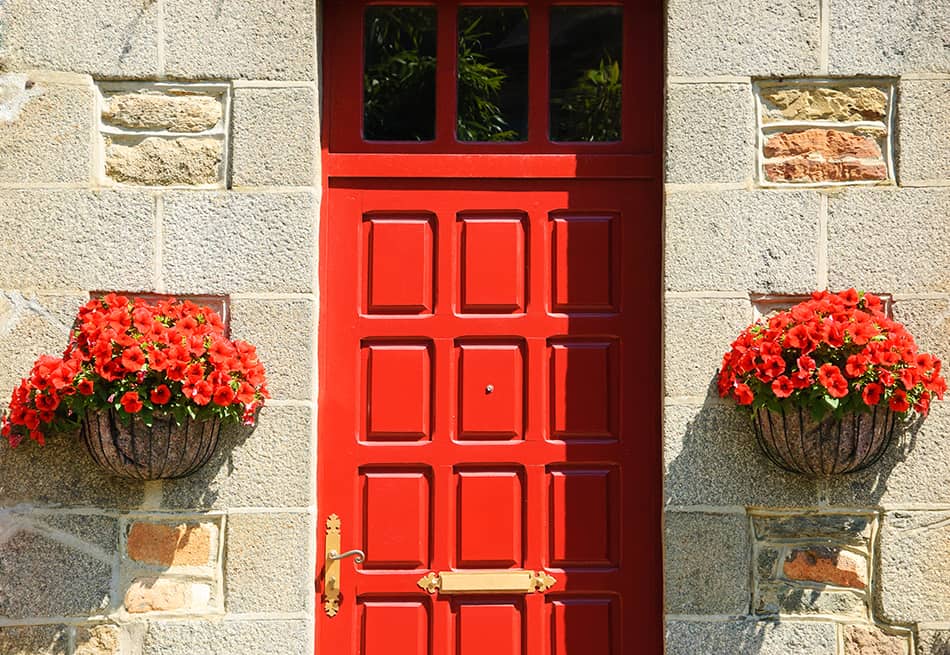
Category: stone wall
[807,147]
[204,183]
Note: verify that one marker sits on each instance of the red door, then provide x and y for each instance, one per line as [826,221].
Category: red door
[489,430]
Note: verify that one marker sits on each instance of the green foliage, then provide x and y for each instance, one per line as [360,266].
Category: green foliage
[479,83]
[590,111]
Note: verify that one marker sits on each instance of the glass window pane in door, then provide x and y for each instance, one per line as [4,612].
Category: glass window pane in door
[492,74]
[399,74]
[586,73]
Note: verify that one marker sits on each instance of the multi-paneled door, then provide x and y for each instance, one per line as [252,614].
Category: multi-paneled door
[490,357]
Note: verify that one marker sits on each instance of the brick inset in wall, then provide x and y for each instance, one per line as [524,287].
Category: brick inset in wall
[825,132]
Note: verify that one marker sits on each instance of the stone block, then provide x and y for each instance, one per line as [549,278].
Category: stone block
[157,161]
[239,242]
[707,563]
[779,39]
[826,565]
[928,319]
[924,152]
[759,637]
[45,130]
[61,474]
[766,562]
[870,37]
[870,640]
[166,544]
[270,467]
[851,529]
[274,137]
[34,640]
[711,458]
[263,40]
[98,531]
[933,642]
[815,102]
[99,37]
[68,239]
[178,112]
[889,240]
[282,331]
[698,332]
[267,563]
[42,577]
[97,640]
[912,470]
[151,594]
[913,586]
[779,598]
[28,328]
[742,241]
[710,135]
[276,637]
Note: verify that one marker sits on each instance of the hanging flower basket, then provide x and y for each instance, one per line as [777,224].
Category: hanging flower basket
[795,441]
[160,451]
[828,381]
[147,386]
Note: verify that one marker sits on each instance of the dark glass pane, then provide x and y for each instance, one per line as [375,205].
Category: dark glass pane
[493,74]
[399,74]
[586,80]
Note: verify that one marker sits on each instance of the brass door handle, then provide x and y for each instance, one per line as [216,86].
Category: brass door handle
[486,582]
[331,591]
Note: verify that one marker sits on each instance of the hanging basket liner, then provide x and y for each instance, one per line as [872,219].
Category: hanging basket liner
[163,451]
[797,442]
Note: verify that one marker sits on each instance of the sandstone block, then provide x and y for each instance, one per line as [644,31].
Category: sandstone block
[924,152]
[271,637]
[929,321]
[99,37]
[70,239]
[869,640]
[830,144]
[707,563]
[779,39]
[44,577]
[778,598]
[274,137]
[27,331]
[802,169]
[267,568]
[156,161]
[893,240]
[741,241]
[270,467]
[175,111]
[827,565]
[257,242]
[263,40]
[807,103]
[933,642]
[913,585]
[281,331]
[710,133]
[711,458]
[34,640]
[163,544]
[155,595]
[45,130]
[97,640]
[840,528]
[869,37]
[760,637]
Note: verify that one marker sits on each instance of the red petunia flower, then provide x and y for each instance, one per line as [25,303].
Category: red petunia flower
[160,394]
[131,402]
[783,387]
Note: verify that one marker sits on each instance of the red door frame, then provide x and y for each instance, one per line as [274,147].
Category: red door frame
[638,158]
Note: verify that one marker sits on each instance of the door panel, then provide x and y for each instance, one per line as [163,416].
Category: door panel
[490,357]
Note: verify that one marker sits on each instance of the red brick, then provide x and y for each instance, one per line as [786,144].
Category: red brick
[831,144]
[826,565]
[800,169]
[170,545]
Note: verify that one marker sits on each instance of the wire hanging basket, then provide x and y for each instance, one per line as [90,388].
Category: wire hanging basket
[796,442]
[162,451]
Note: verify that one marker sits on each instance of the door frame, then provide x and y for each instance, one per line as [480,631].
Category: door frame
[646,163]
